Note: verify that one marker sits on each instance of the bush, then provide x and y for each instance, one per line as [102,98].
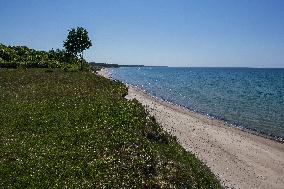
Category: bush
[24,57]
[12,64]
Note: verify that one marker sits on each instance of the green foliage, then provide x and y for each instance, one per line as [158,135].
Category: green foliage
[75,130]
[77,41]
[24,57]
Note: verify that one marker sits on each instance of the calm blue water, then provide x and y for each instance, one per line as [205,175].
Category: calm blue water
[247,97]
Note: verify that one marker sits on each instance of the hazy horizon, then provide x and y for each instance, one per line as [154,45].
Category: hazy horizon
[182,33]
[172,66]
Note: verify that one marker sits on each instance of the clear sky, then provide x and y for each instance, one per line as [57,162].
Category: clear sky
[242,33]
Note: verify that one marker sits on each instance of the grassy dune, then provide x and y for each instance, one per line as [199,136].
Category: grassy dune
[75,129]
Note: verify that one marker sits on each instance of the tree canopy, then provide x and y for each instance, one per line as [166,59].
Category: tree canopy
[77,41]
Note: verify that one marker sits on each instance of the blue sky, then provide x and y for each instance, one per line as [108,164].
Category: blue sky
[242,33]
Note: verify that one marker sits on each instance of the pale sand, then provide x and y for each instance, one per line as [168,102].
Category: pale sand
[239,159]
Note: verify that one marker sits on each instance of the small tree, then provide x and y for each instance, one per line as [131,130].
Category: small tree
[77,41]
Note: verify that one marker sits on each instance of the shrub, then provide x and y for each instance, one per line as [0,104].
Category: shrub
[24,57]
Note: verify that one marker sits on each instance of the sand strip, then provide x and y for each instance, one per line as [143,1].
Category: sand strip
[239,159]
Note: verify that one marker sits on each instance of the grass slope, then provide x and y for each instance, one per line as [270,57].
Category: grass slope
[75,129]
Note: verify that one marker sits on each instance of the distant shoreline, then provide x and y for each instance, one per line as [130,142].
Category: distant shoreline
[107,65]
[239,158]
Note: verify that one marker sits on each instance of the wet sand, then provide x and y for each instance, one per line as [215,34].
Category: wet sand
[238,158]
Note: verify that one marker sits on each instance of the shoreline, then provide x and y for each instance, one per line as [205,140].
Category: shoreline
[238,158]
[208,116]
[241,127]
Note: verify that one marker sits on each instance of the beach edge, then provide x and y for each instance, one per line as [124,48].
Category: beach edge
[238,158]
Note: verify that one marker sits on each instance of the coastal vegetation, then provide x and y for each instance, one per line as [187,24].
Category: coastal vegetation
[23,57]
[76,130]
[61,127]
[77,41]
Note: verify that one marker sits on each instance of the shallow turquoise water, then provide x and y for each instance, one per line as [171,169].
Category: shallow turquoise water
[247,97]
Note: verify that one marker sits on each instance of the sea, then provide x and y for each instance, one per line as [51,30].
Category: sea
[249,98]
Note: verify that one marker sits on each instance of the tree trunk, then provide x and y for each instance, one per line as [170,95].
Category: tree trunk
[82,61]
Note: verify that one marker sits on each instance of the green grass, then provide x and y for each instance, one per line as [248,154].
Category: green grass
[75,129]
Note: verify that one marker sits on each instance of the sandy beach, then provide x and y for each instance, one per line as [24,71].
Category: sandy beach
[238,158]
